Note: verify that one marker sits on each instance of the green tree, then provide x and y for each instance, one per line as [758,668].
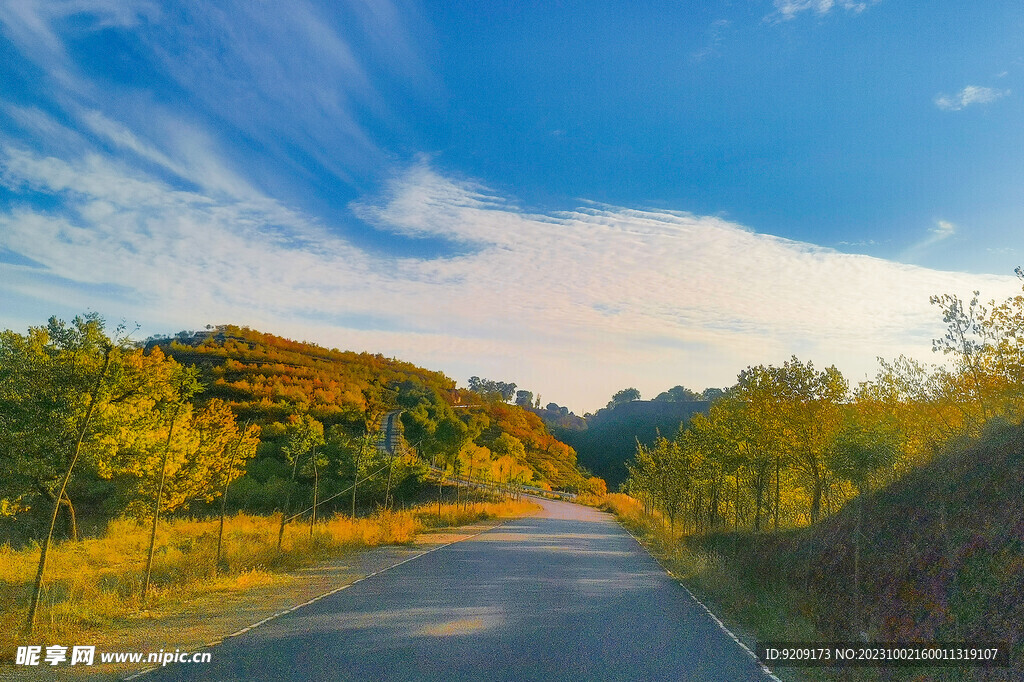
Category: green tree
[664,473]
[304,435]
[969,339]
[492,390]
[811,410]
[626,395]
[524,398]
[67,392]
[65,369]
[676,394]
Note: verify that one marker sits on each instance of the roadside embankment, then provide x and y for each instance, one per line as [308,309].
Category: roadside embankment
[937,556]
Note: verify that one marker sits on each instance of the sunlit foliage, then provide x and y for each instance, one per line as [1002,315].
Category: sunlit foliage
[791,444]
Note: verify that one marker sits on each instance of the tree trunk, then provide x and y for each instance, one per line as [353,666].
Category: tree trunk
[33,605]
[224,499]
[287,503]
[736,505]
[713,504]
[72,519]
[355,476]
[777,496]
[387,492]
[816,499]
[156,505]
[856,565]
[316,483]
[220,532]
[760,483]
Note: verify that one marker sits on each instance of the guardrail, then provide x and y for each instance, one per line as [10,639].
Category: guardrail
[514,488]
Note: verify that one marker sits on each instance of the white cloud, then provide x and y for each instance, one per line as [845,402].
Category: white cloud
[943,229]
[713,37]
[789,9]
[972,94]
[573,305]
[32,25]
[295,81]
[939,232]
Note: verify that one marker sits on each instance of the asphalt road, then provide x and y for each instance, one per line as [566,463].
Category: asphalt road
[565,594]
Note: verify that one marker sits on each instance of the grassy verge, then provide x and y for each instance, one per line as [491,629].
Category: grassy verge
[95,583]
[796,585]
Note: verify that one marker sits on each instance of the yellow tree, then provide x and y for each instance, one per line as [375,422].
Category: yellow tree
[751,413]
[1004,361]
[224,450]
[183,385]
[473,458]
[63,371]
[810,408]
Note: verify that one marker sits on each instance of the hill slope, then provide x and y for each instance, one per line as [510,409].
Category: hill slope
[267,378]
[941,556]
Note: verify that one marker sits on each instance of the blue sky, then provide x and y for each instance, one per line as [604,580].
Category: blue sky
[574,196]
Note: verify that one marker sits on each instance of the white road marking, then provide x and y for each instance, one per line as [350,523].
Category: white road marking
[325,594]
[715,618]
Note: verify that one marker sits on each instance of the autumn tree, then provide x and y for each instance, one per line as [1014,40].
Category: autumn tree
[811,410]
[968,338]
[492,390]
[181,386]
[663,472]
[676,394]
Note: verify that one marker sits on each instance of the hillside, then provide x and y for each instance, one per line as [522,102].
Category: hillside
[267,379]
[549,459]
[941,557]
[610,436]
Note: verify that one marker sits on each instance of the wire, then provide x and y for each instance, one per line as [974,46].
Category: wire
[295,516]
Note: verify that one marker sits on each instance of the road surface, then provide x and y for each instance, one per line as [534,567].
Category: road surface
[565,594]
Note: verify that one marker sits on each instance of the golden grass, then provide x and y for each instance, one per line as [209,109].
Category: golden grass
[96,582]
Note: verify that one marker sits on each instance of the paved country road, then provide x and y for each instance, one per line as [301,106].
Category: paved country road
[565,594]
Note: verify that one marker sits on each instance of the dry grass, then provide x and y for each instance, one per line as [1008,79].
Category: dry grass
[94,583]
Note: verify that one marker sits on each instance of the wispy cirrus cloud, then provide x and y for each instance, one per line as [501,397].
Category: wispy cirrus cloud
[288,93]
[34,25]
[790,9]
[713,38]
[971,94]
[941,231]
[651,297]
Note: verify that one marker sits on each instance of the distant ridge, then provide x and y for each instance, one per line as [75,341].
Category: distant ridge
[610,436]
